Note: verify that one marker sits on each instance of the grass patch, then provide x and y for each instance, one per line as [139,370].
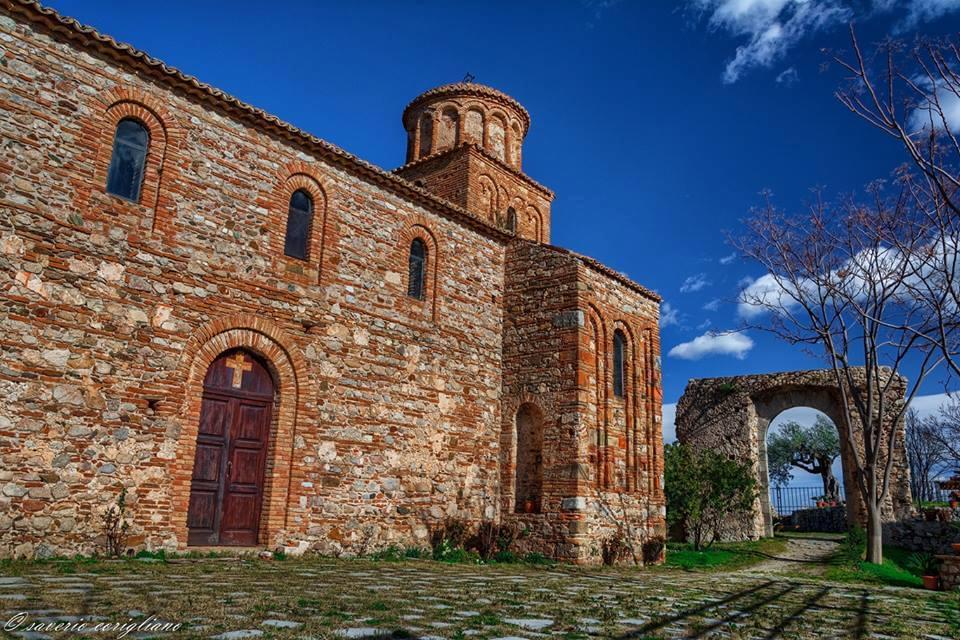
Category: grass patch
[892,572]
[848,564]
[725,556]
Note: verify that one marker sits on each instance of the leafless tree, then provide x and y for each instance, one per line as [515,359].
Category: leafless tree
[835,287]
[912,93]
[945,426]
[926,454]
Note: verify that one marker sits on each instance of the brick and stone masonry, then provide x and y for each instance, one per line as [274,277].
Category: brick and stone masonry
[495,393]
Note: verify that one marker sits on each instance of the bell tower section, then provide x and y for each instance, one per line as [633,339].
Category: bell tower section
[465,144]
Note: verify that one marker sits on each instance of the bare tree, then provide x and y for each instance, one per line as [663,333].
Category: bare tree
[835,287]
[926,454]
[911,94]
[945,427]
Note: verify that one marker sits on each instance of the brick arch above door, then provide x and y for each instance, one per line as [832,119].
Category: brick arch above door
[288,369]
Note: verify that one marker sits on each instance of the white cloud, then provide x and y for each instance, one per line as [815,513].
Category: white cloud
[713,305]
[930,405]
[921,10]
[704,325]
[895,270]
[725,260]
[758,296]
[669,316]
[788,77]
[669,423]
[926,114]
[694,283]
[773,27]
[724,343]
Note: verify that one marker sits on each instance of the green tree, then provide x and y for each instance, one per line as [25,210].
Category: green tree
[811,448]
[703,489]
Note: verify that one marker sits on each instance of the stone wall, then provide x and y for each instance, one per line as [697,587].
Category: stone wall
[390,411]
[107,303]
[828,519]
[919,535]
[732,415]
[949,572]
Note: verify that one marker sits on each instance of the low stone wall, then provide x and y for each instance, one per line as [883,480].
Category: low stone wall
[920,535]
[949,572]
[828,519]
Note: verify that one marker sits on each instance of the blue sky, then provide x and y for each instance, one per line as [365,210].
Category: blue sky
[656,123]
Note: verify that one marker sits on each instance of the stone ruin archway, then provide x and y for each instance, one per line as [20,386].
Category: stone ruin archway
[732,415]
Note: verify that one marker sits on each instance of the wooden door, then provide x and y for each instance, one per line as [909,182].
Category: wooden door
[226,492]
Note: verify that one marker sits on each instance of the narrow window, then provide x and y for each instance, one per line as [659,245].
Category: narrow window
[511,220]
[130,143]
[528,487]
[417,268]
[426,134]
[619,362]
[299,218]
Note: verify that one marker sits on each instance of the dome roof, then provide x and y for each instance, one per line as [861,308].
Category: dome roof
[471,89]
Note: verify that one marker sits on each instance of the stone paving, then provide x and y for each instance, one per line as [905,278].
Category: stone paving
[325,598]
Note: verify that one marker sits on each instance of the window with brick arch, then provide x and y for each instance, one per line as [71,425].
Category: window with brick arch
[299,218]
[619,363]
[511,219]
[131,141]
[417,269]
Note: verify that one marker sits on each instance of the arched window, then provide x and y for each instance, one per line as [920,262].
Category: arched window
[426,134]
[417,269]
[619,363]
[131,141]
[299,217]
[511,219]
[529,466]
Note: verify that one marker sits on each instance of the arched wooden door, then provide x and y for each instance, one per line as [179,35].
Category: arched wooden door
[226,491]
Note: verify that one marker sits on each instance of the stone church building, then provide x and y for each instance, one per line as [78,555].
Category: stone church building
[269,342]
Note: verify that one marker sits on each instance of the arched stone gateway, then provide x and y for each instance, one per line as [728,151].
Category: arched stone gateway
[732,415]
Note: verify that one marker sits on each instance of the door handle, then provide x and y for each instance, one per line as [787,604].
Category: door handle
[229,468]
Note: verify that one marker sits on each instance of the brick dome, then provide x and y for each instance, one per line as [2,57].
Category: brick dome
[466,113]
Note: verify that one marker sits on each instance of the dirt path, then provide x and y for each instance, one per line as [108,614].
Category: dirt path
[801,554]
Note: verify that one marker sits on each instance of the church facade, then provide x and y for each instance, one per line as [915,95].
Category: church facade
[260,340]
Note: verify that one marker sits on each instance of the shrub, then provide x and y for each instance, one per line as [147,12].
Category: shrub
[393,553]
[614,548]
[492,538]
[652,550]
[854,545]
[922,564]
[447,552]
[450,531]
[704,488]
[115,525]
[505,557]
[535,557]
